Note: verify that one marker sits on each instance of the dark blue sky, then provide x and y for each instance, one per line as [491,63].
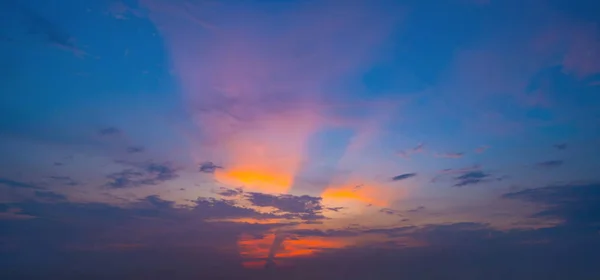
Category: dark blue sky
[446,139]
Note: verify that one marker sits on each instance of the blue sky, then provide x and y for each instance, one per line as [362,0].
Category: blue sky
[278,135]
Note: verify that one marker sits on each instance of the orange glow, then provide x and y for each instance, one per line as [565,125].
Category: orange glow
[265,155]
[254,264]
[377,196]
[255,251]
[264,180]
[250,221]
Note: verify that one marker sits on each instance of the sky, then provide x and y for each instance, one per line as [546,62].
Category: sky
[299,139]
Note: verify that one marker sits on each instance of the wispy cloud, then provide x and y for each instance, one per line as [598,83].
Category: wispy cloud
[50,195]
[52,33]
[404,176]
[482,149]
[109,131]
[146,174]
[408,153]
[135,149]
[389,211]
[64,180]
[18,184]
[449,155]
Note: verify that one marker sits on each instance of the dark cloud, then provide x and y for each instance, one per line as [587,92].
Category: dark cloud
[323,233]
[304,207]
[226,192]
[560,146]
[17,184]
[418,209]
[460,170]
[471,178]
[550,163]
[389,211]
[145,174]
[109,131]
[404,176]
[209,167]
[50,195]
[573,204]
[135,149]
[392,232]
[335,209]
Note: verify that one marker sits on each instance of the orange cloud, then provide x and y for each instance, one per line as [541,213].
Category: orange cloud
[255,251]
[367,194]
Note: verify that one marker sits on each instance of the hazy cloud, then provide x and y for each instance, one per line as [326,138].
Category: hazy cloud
[135,149]
[550,163]
[50,195]
[449,155]
[109,131]
[560,146]
[17,184]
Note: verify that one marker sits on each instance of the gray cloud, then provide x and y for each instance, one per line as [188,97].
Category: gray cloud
[146,174]
[404,176]
[471,178]
[209,167]
[226,192]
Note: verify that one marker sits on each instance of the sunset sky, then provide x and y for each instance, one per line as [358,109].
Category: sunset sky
[300,139]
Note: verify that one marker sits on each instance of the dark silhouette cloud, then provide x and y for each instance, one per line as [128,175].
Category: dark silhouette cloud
[471,178]
[304,207]
[146,174]
[404,176]
[209,167]
[335,209]
[573,204]
[226,192]
[550,163]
